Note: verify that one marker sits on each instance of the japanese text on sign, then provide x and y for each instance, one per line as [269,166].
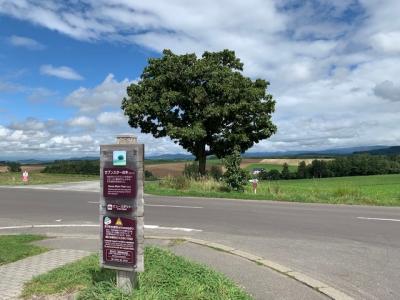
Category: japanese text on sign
[119,182]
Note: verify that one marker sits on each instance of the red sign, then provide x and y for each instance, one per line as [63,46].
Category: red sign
[119,182]
[119,241]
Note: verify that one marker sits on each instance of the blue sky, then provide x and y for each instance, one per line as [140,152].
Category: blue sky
[93,61]
[65,66]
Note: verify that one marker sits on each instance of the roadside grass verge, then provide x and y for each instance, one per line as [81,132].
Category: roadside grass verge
[381,190]
[166,276]
[16,247]
[36,177]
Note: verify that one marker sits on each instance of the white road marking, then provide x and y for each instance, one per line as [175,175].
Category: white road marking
[96,225]
[59,220]
[379,219]
[171,228]
[158,205]
[177,206]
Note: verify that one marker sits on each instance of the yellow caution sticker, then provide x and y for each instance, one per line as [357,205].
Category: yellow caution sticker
[118,222]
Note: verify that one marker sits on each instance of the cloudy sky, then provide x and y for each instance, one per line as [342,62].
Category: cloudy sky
[334,68]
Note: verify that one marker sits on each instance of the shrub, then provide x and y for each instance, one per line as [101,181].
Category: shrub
[263,175]
[177,183]
[84,167]
[285,174]
[191,170]
[235,178]
[274,175]
[13,166]
[216,172]
[149,176]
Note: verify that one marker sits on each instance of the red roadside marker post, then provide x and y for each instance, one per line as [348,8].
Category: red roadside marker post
[25,176]
[121,210]
[254,183]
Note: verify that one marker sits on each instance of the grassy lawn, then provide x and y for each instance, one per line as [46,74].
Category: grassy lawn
[16,247]
[368,190]
[43,178]
[166,276]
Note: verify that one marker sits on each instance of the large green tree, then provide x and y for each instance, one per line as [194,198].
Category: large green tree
[205,104]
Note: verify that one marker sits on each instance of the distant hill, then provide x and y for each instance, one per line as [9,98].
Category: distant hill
[83,158]
[377,149]
[34,161]
[327,152]
[386,151]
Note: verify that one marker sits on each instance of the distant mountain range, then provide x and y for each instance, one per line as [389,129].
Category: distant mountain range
[384,151]
[374,150]
[327,152]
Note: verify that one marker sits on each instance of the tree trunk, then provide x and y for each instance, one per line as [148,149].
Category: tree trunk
[202,158]
[202,164]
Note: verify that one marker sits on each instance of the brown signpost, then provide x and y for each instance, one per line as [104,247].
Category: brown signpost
[121,209]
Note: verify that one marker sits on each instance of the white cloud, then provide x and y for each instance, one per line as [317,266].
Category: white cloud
[25,42]
[332,64]
[82,121]
[6,86]
[60,72]
[30,124]
[39,95]
[107,94]
[63,143]
[4,131]
[388,90]
[387,41]
[18,135]
[112,118]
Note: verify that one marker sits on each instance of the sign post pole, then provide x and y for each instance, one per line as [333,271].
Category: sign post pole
[121,210]
[127,281]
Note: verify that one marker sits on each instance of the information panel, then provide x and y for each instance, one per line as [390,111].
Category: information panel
[122,207]
[119,182]
[119,240]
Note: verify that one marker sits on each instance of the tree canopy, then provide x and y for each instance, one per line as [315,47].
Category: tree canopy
[205,104]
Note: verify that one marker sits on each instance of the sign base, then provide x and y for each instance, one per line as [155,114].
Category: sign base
[127,281]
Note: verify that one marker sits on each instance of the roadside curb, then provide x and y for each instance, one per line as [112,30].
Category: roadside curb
[317,285]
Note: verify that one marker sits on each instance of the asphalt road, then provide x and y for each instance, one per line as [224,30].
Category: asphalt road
[353,248]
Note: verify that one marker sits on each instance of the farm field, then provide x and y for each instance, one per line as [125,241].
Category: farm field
[165,168]
[366,190]
[269,167]
[35,177]
[29,168]
[290,161]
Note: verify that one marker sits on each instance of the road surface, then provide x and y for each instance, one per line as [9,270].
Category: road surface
[355,249]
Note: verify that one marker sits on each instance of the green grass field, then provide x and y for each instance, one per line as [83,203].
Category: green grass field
[36,177]
[367,190]
[165,161]
[16,247]
[166,277]
[269,167]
